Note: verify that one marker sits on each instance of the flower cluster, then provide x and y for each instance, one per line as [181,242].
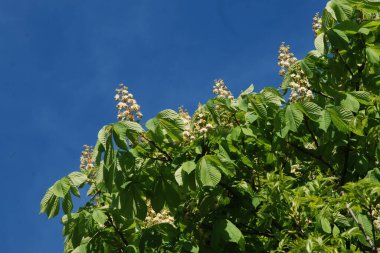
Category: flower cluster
[376,215]
[285,58]
[222,90]
[154,218]
[299,86]
[188,135]
[127,108]
[86,158]
[201,126]
[295,169]
[317,23]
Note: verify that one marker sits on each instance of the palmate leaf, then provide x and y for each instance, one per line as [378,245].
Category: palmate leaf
[272,96]
[293,117]
[61,187]
[126,129]
[131,202]
[170,122]
[45,200]
[207,173]
[258,105]
[77,178]
[67,204]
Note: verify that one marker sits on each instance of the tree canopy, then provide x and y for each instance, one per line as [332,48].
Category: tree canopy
[287,169]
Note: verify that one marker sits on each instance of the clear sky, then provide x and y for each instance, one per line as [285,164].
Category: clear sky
[60,62]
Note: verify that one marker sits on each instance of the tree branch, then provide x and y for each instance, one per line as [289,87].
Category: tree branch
[316,157]
[344,61]
[345,163]
[322,94]
[169,158]
[120,234]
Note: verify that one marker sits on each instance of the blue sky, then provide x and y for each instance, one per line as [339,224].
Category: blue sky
[60,62]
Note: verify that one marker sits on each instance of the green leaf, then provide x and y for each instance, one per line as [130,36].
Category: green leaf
[133,127]
[52,208]
[207,173]
[77,178]
[293,117]
[350,103]
[341,118]
[310,109]
[338,38]
[366,223]
[170,121]
[342,10]
[272,96]
[326,226]
[132,130]
[67,204]
[373,54]
[328,17]
[104,135]
[319,43]
[336,231]
[364,97]
[132,203]
[178,176]
[119,134]
[225,231]
[258,105]
[281,127]
[188,166]
[249,90]
[308,63]
[99,216]
[158,198]
[131,249]
[325,120]
[61,187]
[45,200]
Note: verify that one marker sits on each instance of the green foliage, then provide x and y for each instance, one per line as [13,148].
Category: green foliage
[265,174]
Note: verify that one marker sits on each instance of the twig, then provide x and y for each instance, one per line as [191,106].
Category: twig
[319,158]
[322,94]
[157,147]
[117,230]
[345,63]
[367,237]
[345,163]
